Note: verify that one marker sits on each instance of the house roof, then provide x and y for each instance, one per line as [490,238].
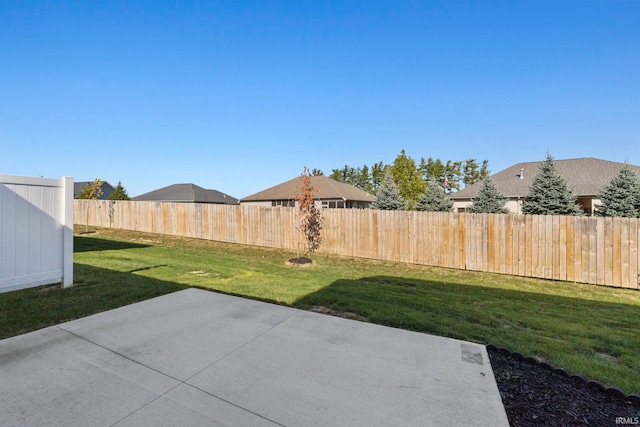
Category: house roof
[189,193]
[329,189]
[585,177]
[78,186]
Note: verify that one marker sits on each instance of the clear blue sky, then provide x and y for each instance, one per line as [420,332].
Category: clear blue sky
[239,95]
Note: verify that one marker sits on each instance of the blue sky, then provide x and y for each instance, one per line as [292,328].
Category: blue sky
[241,95]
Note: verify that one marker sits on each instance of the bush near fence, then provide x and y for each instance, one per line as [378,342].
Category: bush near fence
[593,250]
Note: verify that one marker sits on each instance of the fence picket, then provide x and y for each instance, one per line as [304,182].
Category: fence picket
[581,249]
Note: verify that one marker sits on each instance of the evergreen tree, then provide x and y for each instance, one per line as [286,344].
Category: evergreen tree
[358,177]
[452,176]
[363,179]
[621,197]
[484,169]
[345,174]
[549,193]
[489,200]
[388,196]
[472,172]
[377,176]
[447,176]
[433,171]
[406,175]
[434,200]
[119,193]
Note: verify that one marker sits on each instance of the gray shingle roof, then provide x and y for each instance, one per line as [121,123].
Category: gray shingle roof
[79,186]
[585,177]
[329,189]
[188,193]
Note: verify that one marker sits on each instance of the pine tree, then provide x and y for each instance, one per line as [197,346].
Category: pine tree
[388,196]
[549,193]
[489,200]
[434,200]
[472,172]
[621,197]
[377,176]
[119,193]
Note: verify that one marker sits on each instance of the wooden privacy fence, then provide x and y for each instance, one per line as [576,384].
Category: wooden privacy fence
[594,250]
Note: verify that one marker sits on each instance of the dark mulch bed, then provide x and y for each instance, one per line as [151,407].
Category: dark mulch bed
[300,262]
[538,395]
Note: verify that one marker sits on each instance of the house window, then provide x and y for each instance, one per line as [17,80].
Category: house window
[284,203]
[333,204]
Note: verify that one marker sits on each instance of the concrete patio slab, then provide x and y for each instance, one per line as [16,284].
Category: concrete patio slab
[200,358]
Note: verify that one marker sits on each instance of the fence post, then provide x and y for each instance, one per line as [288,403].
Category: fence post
[67,232]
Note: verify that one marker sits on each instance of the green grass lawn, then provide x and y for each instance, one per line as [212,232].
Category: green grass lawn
[585,329]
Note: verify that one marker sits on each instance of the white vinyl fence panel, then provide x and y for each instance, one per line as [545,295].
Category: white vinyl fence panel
[36,232]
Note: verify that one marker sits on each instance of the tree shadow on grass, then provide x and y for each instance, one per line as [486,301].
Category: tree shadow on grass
[96,290]
[90,244]
[573,333]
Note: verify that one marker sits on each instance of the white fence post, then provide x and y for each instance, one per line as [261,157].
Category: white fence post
[67,232]
[36,232]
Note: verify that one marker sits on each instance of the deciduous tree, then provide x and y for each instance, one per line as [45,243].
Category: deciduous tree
[309,216]
[406,175]
[92,192]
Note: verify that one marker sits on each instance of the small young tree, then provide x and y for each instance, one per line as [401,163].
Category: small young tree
[119,193]
[549,193]
[309,216]
[489,200]
[112,212]
[621,197]
[91,192]
[388,196]
[434,200]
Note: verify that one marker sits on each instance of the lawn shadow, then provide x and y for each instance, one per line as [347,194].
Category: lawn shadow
[91,244]
[95,290]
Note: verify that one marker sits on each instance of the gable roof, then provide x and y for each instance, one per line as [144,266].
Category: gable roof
[585,177]
[79,186]
[188,193]
[329,189]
